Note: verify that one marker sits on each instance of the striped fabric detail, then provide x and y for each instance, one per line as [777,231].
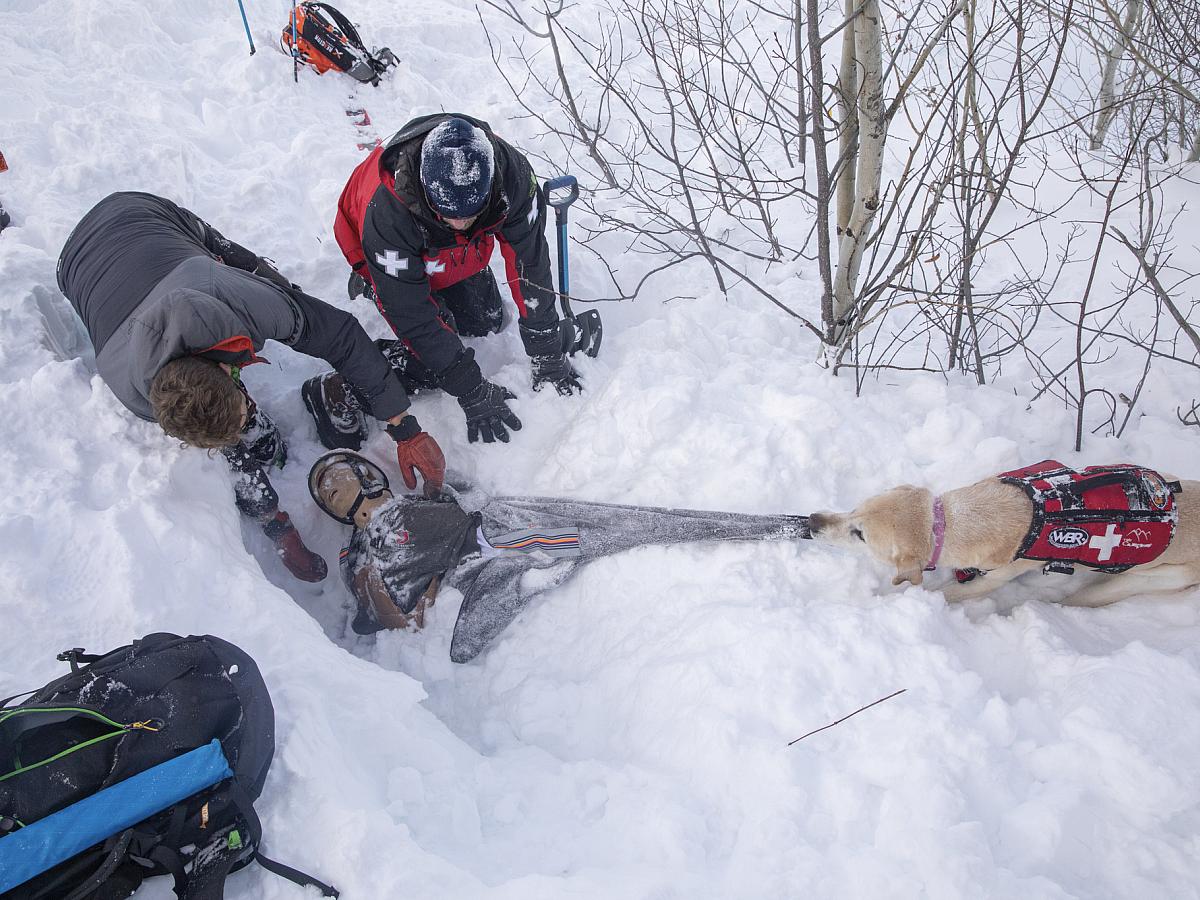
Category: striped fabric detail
[560,543]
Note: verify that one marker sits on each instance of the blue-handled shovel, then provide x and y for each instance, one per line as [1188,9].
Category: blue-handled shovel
[587,331]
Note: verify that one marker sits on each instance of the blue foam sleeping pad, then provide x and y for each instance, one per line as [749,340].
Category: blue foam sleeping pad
[44,844]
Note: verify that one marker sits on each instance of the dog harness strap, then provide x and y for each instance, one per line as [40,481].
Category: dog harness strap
[939,532]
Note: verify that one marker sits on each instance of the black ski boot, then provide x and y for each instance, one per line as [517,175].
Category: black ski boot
[337,412]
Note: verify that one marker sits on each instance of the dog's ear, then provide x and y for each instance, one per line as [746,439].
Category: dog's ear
[909,570]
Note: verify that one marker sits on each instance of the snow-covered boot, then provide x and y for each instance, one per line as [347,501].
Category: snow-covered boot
[252,490]
[337,412]
[5,218]
[263,441]
[300,561]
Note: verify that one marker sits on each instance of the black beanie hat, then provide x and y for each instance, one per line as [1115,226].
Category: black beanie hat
[456,169]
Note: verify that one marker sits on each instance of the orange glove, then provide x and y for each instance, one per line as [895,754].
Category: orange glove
[416,449]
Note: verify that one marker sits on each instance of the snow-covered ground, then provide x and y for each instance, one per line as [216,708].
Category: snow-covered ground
[627,737]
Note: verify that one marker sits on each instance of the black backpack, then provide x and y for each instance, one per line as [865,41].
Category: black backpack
[322,38]
[145,761]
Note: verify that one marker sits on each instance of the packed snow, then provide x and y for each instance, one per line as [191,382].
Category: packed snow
[627,737]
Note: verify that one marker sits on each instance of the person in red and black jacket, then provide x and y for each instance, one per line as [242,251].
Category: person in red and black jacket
[417,222]
[174,310]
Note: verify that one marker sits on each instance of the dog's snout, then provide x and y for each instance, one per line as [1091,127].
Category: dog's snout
[816,522]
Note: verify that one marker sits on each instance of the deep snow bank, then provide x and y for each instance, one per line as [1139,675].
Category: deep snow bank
[627,737]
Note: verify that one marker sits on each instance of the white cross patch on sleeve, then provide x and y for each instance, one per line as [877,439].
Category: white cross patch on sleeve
[391,262]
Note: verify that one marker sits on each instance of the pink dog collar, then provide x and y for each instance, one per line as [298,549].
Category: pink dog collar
[939,532]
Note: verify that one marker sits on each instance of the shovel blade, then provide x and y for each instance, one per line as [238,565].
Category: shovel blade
[585,334]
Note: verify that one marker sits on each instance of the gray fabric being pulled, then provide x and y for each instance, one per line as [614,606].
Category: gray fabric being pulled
[502,552]
[497,587]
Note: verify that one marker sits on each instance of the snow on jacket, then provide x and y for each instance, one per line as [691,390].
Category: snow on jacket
[390,235]
[153,282]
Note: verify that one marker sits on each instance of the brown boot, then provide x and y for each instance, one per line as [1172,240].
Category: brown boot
[300,561]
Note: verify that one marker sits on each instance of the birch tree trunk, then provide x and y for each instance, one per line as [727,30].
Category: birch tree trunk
[821,161]
[847,90]
[872,133]
[1107,107]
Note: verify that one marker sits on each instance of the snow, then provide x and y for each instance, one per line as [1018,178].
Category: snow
[627,736]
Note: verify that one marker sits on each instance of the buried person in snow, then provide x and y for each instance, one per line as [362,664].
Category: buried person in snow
[174,310]
[417,222]
[500,552]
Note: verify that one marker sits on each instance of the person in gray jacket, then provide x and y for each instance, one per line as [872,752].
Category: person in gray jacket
[175,310]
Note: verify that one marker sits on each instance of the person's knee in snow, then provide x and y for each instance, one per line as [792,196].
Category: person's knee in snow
[198,401]
[475,304]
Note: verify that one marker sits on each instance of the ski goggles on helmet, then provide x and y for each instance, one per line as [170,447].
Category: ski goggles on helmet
[372,482]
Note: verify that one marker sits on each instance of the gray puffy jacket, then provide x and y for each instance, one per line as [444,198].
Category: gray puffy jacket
[153,282]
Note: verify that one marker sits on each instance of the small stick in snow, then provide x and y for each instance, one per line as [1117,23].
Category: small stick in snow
[844,718]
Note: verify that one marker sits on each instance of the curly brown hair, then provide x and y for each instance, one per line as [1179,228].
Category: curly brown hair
[197,401]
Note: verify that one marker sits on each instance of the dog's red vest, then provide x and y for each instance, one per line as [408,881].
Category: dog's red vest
[1109,518]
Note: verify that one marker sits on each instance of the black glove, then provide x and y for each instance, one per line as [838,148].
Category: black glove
[488,413]
[485,404]
[555,369]
[358,286]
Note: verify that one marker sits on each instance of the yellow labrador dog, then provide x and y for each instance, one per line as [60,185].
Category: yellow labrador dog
[1140,527]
